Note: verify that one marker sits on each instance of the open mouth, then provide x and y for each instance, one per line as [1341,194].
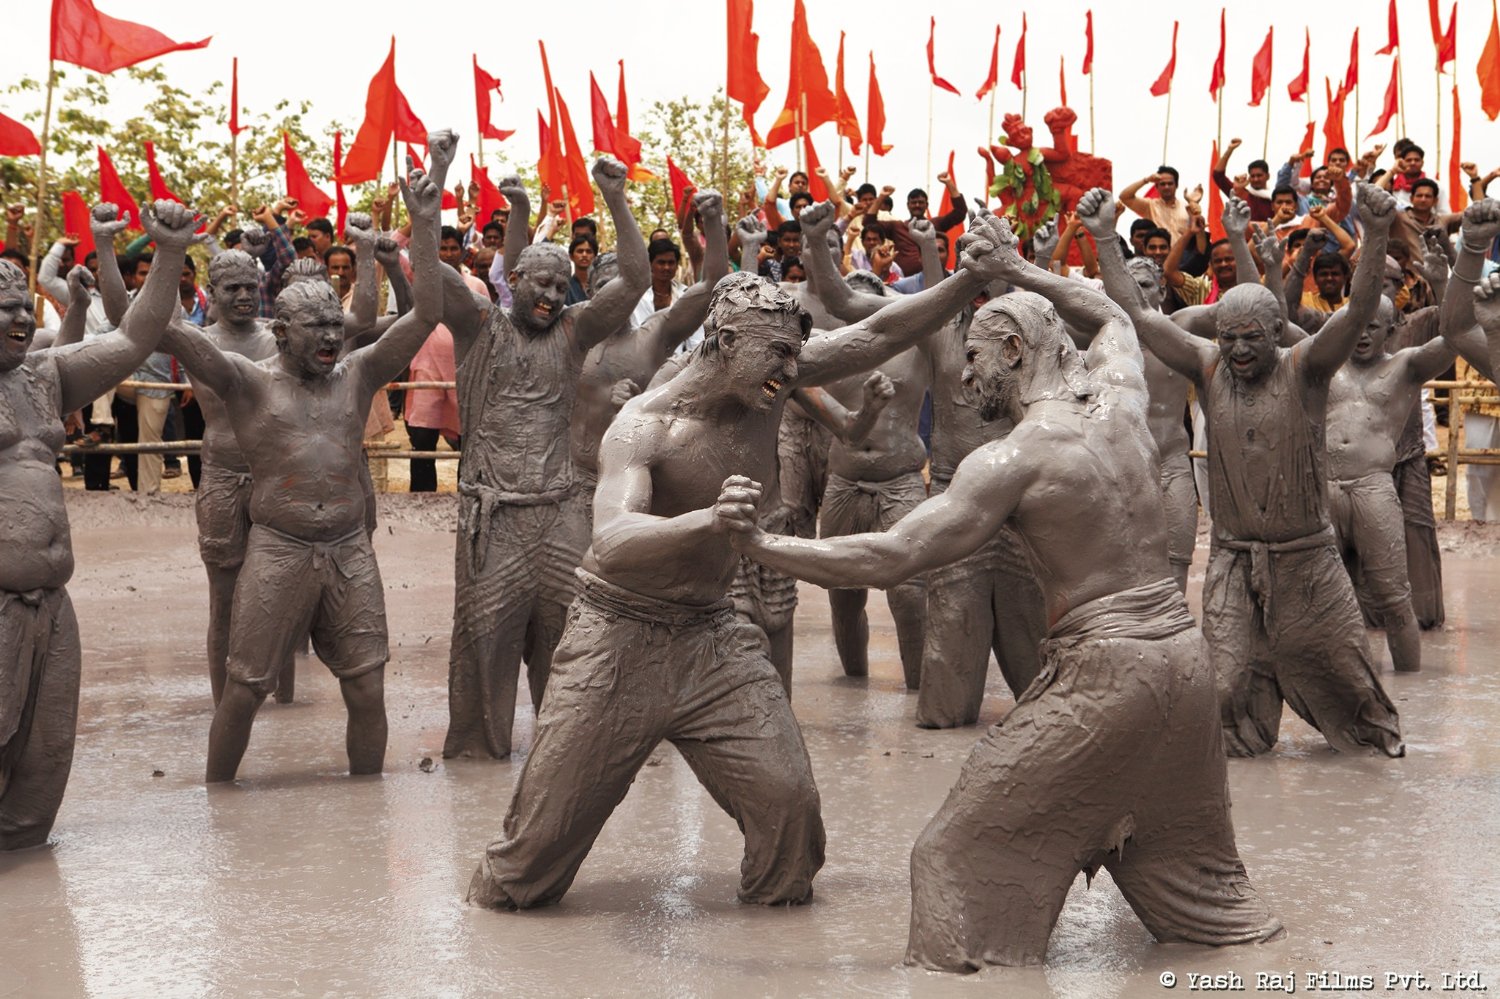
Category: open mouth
[770,387]
[327,355]
[542,310]
[17,335]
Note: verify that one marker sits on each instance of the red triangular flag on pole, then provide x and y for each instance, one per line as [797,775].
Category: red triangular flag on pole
[159,189]
[1458,194]
[1307,147]
[1018,65]
[1351,75]
[744,83]
[1163,82]
[234,97]
[679,183]
[112,191]
[815,185]
[1391,99]
[875,115]
[937,81]
[1260,70]
[1088,51]
[1216,76]
[809,102]
[84,37]
[408,127]
[1215,202]
[580,188]
[555,155]
[490,197]
[1393,32]
[341,203]
[1489,69]
[299,185]
[1447,43]
[628,148]
[366,158]
[16,139]
[994,75]
[546,173]
[76,223]
[484,85]
[1297,89]
[1333,125]
[945,205]
[848,124]
[604,125]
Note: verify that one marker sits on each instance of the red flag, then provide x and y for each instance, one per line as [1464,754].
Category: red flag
[1435,19]
[1307,147]
[1391,97]
[300,186]
[1489,69]
[604,125]
[937,81]
[234,97]
[1215,202]
[1216,77]
[84,37]
[1260,70]
[490,197]
[1163,84]
[484,85]
[555,174]
[111,190]
[994,76]
[341,203]
[1393,33]
[628,148]
[945,205]
[1062,82]
[1018,65]
[1447,43]
[159,189]
[679,183]
[1088,51]
[580,187]
[366,158]
[848,123]
[1297,89]
[548,172]
[1458,195]
[815,185]
[16,139]
[744,83]
[809,102]
[408,127]
[76,223]
[1351,75]
[1333,126]
[875,116]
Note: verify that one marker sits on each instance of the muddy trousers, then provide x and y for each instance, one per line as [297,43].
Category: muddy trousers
[40,663]
[1424,562]
[513,583]
[1111,758]
[1180,498]
[1367,527]
[1283,624]
[629,673]
[987,601]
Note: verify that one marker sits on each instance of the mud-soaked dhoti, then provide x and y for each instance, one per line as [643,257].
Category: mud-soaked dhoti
[1180,496]
[222,506]
[1368,528]
[514,580]
[40,662]
[764,597]
[289,587]
[631,671]
[1424,561]
[1111,758]
[1283,623]
[988,600]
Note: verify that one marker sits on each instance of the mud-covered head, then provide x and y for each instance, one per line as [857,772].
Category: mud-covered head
[1248,323]
[866,282]
[307,269]
[755,330]
[539,286]
[234,287]
[1371,345]
[1394,280]
[1147,277]
[17,316]
[606,268]
[1019,353]
[309,327]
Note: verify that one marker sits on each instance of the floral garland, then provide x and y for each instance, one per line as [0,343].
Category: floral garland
[1035,199]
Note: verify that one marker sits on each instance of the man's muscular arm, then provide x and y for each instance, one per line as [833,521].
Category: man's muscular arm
[1481,224]
[837,297]
[686,314]
[1325,351]
[228,374]
[80,280]
[105,224]
[1236,219]
[607,311]
[359,231]
[88,369]
[849,426]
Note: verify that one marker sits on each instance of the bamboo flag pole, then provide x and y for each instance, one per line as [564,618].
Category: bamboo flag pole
[234,142]
[40,226]
[1401,92]
[1092,147]
[1437,122]
[1025,87]
[1167,127]
[801,131]
[990,135]
[1265,142]
[927,174]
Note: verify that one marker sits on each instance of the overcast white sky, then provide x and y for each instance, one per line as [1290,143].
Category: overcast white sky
[329,51]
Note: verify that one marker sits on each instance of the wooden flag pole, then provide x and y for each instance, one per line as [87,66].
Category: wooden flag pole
[1356,114]
[1092,146]
[801,117]
[1025,87]
[990,136]
[1265,142]
[1167,127]
[927,174]
[234,169]
[1219,100]
[1401,92]
[1437,121]
[39,229]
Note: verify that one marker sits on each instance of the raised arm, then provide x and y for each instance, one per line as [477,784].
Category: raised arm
[1172,267]
[1272,251]
[388,256]
[1171,344]
[1295,285]
[223,372]
[1480,226]
[47,277]
[88,369]
[359,231]
[423,194]
[105,224]
[924,234]
[517,238]
[685,315]
[849,426]
[1137,204]
[75,320]
[609,310]
[1485,296]
[1236,219]
[1325,352]
[837,297]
